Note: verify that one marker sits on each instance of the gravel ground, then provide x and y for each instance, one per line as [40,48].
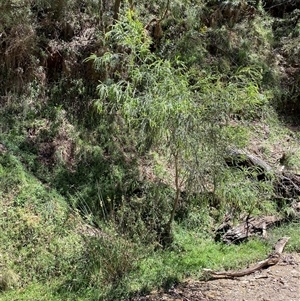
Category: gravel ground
[277,283]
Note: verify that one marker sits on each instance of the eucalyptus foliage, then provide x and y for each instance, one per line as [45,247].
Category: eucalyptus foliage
[183,113]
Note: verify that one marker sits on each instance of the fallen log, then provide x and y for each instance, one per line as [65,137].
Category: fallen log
[286,183]
[272,259]
[249,227]
[286,191]
[237,157]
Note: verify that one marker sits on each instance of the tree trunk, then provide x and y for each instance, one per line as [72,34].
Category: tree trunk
[175,204]
[117,9]
[166,236]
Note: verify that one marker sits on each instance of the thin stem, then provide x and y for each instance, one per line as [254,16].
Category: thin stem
[177,187]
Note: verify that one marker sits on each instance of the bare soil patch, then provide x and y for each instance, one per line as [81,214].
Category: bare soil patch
[280,282]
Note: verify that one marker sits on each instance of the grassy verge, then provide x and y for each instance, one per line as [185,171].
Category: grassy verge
[43,257]
[190,253]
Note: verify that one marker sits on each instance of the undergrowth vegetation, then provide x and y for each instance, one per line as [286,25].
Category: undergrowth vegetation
[116,119]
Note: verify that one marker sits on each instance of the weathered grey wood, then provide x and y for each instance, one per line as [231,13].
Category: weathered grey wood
[250,227]
[242,158]
[271,260]
[286,184]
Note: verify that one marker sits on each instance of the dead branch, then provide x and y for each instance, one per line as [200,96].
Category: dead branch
[249,227]
[271,260]
[286,184]
[237,157]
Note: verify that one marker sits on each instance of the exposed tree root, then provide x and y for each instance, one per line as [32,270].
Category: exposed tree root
[271,260]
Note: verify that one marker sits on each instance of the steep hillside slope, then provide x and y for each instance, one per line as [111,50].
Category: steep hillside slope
[115,123]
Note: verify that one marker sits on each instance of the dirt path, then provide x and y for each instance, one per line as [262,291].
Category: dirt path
[277,283]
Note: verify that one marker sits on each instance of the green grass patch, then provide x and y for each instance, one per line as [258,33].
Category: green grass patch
[291,230]
[190,253]
[38,238]
[45,291]
[145,270]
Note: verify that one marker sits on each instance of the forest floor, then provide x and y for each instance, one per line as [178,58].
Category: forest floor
[280,282]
